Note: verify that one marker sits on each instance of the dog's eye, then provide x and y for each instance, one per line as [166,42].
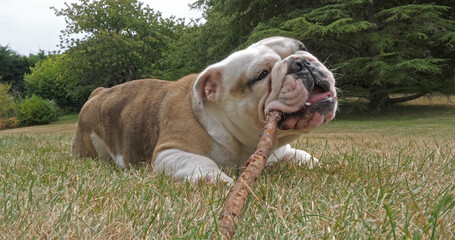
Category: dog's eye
[302,48]
[262,75]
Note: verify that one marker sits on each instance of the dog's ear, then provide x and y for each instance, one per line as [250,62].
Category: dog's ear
[208,84]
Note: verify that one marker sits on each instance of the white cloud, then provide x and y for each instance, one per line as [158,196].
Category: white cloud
[29,25]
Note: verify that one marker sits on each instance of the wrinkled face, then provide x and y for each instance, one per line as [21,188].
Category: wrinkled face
[273,74]
[304,90]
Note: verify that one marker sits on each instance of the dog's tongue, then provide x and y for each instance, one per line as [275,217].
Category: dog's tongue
[317,95]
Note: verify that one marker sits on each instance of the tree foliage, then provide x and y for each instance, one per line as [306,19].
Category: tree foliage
[122,40]
[378,47]
[7,103]
[199,46]
[13,66]
[50,80]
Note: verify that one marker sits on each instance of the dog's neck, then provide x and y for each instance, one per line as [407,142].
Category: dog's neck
[237,145]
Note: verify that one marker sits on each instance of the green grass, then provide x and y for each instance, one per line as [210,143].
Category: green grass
[69,118]
[384,175]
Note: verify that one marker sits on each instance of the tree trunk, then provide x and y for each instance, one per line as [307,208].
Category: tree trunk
[407,98]
[380,98]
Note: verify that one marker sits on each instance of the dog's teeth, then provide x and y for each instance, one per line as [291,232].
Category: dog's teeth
[307,104]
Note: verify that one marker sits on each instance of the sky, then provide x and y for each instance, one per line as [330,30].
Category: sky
[27,26]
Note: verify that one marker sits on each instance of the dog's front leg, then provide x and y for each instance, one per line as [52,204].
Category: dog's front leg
[286,152]
[189,166]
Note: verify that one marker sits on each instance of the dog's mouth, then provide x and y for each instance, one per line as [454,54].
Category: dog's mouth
[320,103]
[318,94]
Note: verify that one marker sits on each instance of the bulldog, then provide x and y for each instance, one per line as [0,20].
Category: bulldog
[190,127]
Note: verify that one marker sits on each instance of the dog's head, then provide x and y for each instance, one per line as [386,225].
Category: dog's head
[274,74]
[304,90]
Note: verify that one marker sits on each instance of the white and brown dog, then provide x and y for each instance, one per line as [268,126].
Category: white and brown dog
[188,128]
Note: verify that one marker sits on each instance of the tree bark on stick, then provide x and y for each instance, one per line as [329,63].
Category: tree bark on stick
[254,166]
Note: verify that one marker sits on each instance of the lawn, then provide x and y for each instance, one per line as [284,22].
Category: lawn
[383,175]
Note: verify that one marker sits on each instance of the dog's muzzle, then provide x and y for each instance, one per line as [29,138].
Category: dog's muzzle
[320,104]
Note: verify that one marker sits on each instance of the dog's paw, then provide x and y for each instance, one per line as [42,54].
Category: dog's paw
[302,158]
[212,177]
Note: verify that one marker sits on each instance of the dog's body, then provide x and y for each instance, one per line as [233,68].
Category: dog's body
[189,127]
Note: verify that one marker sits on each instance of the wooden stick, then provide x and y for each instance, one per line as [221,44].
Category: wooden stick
[254,166]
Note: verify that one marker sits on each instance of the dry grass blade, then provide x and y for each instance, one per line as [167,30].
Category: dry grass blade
[255,164]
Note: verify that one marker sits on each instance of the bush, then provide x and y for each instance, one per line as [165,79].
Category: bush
[7,103]
[35,110]
[9,123]
[12,122]
[2,124]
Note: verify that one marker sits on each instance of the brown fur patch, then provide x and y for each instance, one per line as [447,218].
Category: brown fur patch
[240,89]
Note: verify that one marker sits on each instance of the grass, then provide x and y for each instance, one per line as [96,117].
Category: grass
[384,175]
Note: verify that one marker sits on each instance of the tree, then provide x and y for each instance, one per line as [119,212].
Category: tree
[48,79]
[13,66]
[379,47]
[199,45]
[41,55]
[7,103]
[122,40]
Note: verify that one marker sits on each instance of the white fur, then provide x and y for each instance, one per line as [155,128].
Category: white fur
[235,120]
[119,161]
[100,147]
[104,152]
[286,152]
[188,166]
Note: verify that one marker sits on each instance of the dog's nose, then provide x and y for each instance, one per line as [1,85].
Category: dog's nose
[296,66]
[303,69]
[300,64]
